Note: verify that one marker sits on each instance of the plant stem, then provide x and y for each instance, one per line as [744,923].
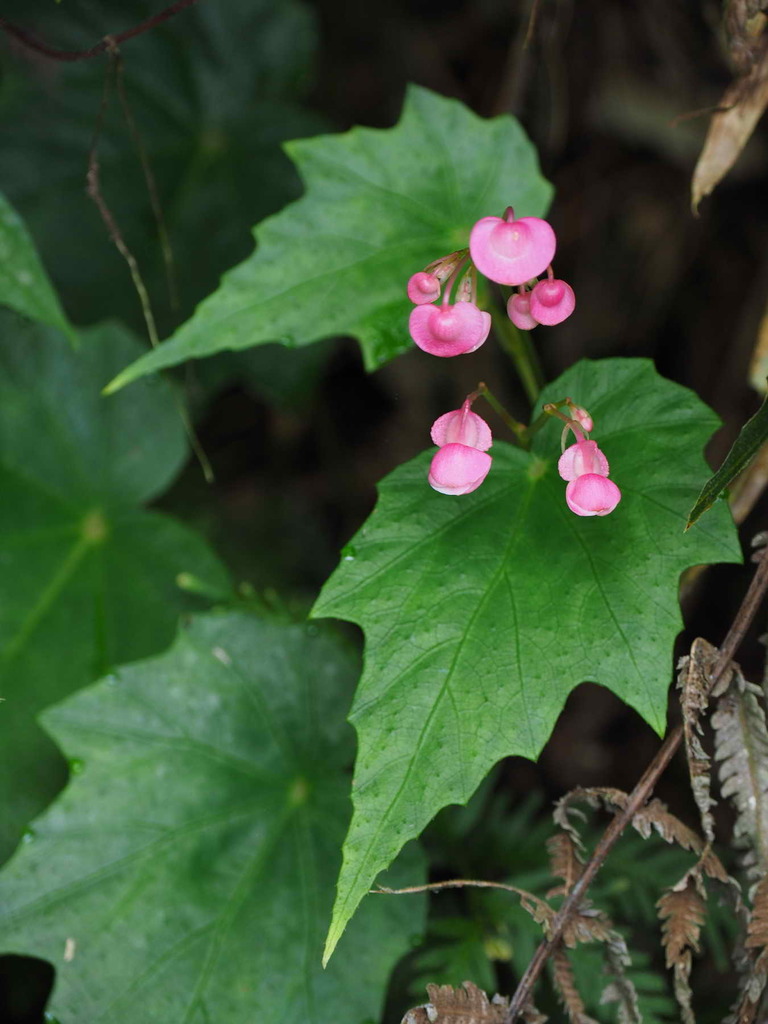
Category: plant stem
[518,347]
[639,794]
[518,429]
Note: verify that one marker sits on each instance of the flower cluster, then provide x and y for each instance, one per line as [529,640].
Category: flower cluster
[507,251]
[513,253]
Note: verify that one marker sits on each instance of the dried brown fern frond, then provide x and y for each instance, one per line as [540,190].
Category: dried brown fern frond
[752,960]
[587,924]
[694,681]
[565,984]
[620,988]
[741,747]
[682,910]
[465,1005]
[564,862]
[653,817]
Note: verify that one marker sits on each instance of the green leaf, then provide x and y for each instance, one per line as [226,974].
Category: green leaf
[187,872]
[379,205]
[89,580]
[24,285]
[212,127]
[752,437]
[481,613]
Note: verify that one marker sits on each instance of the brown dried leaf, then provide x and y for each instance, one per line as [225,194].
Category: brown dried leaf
[465,1005]
[620,989]
[741,747]
[741,107]
[693,680]
[562,975]
[586,925]
[752,960]
[653,817]
[682,910]
[564,862]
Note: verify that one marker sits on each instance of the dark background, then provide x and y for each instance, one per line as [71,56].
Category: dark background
[298,439]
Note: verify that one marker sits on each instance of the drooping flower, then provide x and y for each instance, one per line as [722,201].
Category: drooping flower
[511,251]
[519,311]
[458,469]
[581,416]
[450,329]
[552,301]
[461,464]
[592,494]
[423,287]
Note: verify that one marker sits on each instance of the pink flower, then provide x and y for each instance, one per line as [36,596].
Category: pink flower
[462,426]
[458,469]
[552,301]
[519,311]
[592,494]
[582,458]
[449,329]
[423,287]
[512,251]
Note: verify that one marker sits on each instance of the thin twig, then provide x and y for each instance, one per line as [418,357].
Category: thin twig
[149,179]
[638,796]
[456,883]
[93,188]
[31,43]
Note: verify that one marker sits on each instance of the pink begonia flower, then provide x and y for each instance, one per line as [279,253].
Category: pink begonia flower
[449,329]
[458,469]
[512,251]
[462,426]
[519,311]
[552,301]
[582,457]
[423,287]
[581,416]
[592,495]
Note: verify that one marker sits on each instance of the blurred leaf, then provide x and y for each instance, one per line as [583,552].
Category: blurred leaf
[187,872]
[752,437]
[656,1004]
[24,285]
[483,612]
[379,205]
[89,579]
[212,124]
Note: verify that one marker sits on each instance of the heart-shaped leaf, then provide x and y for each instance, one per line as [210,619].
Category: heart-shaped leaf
[187,872]
[89,580]
[481,613]
[379,206]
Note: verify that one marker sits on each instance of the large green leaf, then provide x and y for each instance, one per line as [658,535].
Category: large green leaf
[379,206]
[211,121]
[481,613]
[187,872]
[88,578]
[24,285]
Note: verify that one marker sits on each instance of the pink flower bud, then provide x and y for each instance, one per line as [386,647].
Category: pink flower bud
[591,495]
[552,301]
[462,426]
[519,311]
[512,252]
[582,457]
[458,469]
[449,330]
[423,287]
[581,416]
